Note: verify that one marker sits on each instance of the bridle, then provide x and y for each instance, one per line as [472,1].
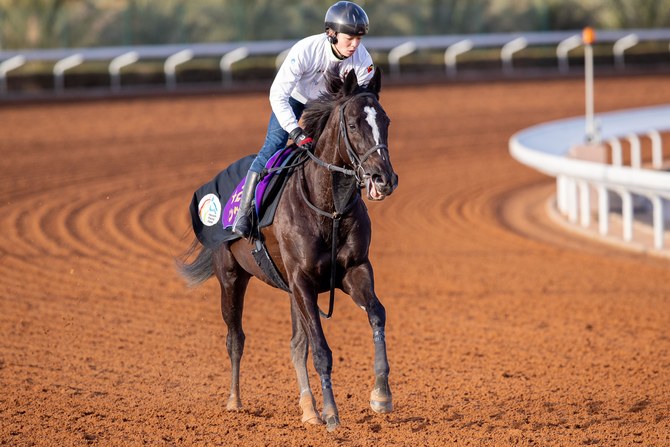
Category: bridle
[356,162]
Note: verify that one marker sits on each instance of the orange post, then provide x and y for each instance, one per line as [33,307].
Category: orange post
[588,36]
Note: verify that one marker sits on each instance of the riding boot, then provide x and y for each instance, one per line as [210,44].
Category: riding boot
[243,223]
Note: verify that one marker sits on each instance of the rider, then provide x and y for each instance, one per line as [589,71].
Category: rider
[301,78]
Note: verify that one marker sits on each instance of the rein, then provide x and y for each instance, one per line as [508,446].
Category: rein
[336,216]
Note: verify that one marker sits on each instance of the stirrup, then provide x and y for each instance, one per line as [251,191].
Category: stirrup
[243,225]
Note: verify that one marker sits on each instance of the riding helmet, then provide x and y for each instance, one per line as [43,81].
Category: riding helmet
[347,18]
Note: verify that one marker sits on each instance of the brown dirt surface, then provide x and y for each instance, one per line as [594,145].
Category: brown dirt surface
[502,329]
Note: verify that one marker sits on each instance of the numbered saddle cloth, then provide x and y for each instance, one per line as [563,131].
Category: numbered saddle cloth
[215,204]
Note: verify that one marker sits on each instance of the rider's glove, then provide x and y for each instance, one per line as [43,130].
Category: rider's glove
[301,140]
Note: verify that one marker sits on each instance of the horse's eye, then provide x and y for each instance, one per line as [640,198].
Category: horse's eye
[352,126]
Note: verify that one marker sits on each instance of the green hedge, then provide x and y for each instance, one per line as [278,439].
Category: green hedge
[90,23]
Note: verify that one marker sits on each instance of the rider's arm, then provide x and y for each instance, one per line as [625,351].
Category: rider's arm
[287,78]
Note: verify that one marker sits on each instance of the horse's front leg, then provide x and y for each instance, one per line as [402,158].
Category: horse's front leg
[305,301]
[358,282]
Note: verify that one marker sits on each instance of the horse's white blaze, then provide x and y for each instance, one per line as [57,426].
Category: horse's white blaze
[371,118]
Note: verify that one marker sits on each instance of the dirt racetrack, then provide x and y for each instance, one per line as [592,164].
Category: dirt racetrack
[502,328]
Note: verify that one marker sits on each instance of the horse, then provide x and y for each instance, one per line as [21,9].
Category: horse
[319,240]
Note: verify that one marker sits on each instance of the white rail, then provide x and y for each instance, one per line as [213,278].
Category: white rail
[545,147]
[395,47]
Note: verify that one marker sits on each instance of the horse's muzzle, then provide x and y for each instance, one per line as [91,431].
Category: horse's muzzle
[381,185]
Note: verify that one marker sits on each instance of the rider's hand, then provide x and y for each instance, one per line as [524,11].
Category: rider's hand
[301,140]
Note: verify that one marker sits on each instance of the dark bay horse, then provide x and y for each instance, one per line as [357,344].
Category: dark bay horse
[350,128]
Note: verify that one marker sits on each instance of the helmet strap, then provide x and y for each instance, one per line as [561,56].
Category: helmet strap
[336,52]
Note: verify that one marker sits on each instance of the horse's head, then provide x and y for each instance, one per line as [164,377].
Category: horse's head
[364,129]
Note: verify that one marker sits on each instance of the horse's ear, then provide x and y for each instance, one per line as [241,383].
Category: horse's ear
[350,83]
[375,84]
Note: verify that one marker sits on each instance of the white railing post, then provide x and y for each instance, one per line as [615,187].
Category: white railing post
[659,224]
[398,52]
[617,152]
[117,64]
[621,45]
[508,51]
[228,60]
[656,149]
[562,194]
[603,210]
[635,151]
[61,66]
[170,66]
[8,65]
[452,52]
[627,215]
[562,50]
[584,204]
[572,200]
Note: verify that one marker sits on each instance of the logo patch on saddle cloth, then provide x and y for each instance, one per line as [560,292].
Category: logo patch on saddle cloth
[265,191]
[209,210]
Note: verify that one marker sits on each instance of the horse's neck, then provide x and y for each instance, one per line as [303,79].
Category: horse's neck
[318,178]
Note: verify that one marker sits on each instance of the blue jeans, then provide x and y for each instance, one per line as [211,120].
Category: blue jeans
[276,137]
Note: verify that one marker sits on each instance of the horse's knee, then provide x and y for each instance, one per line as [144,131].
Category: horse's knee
[377,315]
[323,360]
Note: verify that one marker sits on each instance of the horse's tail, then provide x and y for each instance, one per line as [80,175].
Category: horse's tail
[201,269]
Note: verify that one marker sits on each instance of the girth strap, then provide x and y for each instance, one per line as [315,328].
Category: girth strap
[264,261]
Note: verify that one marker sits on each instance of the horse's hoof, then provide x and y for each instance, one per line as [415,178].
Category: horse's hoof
[312,420]
[380,402]
[310,416]
[309,413]
[332,422]
[381,407]
[234,404]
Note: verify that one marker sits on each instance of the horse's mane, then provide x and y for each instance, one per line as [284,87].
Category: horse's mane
[318,111]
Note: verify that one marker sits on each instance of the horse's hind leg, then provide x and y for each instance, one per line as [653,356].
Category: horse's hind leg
[233,280]
[359,284]
[299,348]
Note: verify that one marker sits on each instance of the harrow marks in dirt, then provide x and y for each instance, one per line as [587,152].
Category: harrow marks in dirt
[502,328]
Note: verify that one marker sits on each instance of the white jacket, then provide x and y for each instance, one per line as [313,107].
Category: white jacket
[302,75]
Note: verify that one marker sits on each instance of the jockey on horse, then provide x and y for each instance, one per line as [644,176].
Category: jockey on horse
[301,78]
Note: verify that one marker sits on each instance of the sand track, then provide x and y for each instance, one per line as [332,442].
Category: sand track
[502,328]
